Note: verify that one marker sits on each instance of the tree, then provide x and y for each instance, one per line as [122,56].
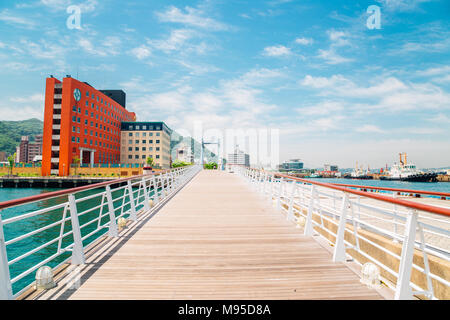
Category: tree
[76,162]
[150,162]
[179,163]
[211,166]
[11,160]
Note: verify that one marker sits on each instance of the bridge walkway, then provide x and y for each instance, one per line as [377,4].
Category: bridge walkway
[215,239]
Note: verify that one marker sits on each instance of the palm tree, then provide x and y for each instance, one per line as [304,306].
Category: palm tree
[76,162]
[11,160]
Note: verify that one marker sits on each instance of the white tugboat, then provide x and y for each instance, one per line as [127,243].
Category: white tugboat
[359,173]
[405,171]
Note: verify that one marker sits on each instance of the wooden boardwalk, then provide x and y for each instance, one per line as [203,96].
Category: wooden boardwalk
[216,239]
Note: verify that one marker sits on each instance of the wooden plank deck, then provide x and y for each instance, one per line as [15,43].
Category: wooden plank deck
[216,239]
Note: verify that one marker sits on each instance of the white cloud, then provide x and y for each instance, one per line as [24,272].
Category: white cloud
[109,46]
[37,97]
[389,94]
[338,38]
[192,17]
[141,52]
[401,5]
[11,18]
[323,108]
[304,41]
[368,128]
[86,6]
[331,57]
[277,51]
[198,69]
[177,39]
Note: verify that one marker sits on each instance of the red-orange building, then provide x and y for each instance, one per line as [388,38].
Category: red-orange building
[80,121]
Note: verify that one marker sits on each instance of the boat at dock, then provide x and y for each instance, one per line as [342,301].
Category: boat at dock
[404,171]
[359,173]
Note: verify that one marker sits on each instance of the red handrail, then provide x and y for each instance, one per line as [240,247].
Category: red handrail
[405,203]
[432,193]
[44,196]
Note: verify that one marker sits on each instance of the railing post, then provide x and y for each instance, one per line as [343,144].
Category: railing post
[112,216]
[163,189]
[155,190]
[339,246]
[279,195]
[291,203]
[77,251]
[133,215]
[403,289]
[5,279]
[146,197]
[394,195]
[308,231]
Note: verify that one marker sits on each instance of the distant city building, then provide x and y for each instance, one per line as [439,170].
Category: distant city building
[35,148]
[80,121]
[184,153]
[292,165]
[23,149]
[142,140]
[330,167]
[238,158]
[17,159]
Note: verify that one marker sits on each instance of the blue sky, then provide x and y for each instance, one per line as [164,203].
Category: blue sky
[337,91]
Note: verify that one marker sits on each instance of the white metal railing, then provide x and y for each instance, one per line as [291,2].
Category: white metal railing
[419,228]
[102,209]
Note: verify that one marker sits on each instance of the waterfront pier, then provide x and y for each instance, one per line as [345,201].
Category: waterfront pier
[197,234]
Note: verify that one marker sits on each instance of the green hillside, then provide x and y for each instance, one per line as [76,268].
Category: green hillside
[12,131]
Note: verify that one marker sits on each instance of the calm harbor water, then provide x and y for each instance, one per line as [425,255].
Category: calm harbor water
[28,225]
[428,186]
[19,228]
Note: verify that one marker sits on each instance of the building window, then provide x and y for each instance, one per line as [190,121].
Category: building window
[158,134]
[143,156]
[136,156]
[73,139]
[157,141]
[137,141]
[136,148]
[157,156]
[87,93]
[87,113]
[78,139]
[151,134]
[130,141]
[150,149]
[157,148]
[144,149]
[137,134]
[78,129]
[144,128]
[137,127]
[144,141]
[74,118]
[73,129]
[130,134]
[130,148]
[144,134]
[79,120]
[130,157]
